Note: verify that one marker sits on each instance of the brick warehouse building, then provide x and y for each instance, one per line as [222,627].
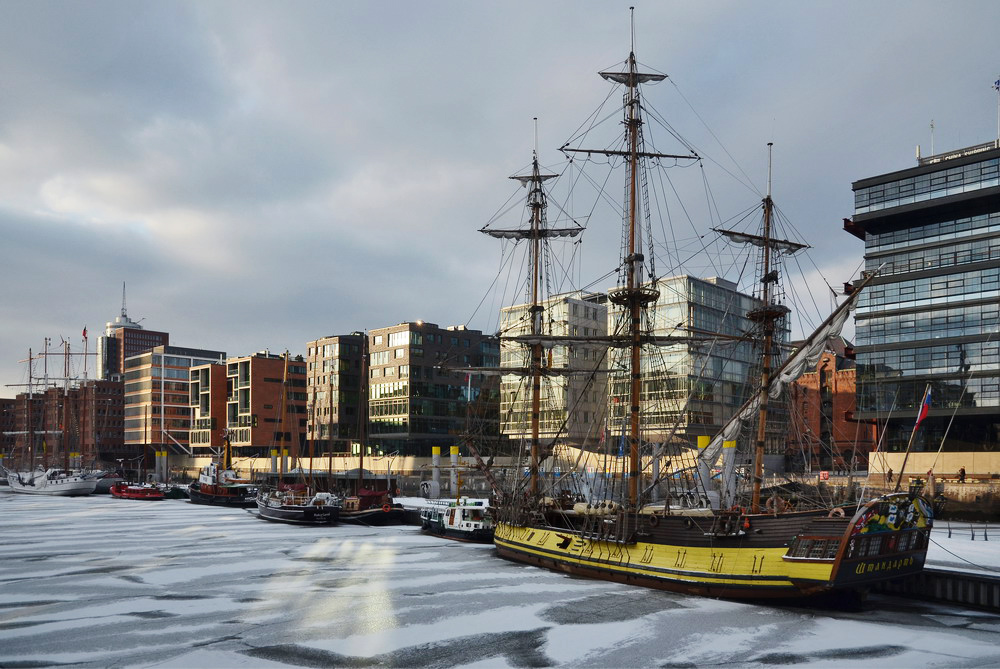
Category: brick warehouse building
[824,434]
[82,421]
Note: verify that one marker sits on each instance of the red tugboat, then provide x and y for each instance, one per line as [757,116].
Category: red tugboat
[123,490]
[218,484]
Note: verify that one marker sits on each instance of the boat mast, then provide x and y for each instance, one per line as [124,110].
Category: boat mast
[536,201]
[227,455]
[45,402]
[31,428]
[768,317]
[64,414]
[284,418]
[312,442]
[362,414]
[634,266]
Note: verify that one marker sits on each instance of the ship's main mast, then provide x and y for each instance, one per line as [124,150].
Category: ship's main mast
[636,293]
[635,299]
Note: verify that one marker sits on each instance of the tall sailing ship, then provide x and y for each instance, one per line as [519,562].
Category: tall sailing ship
[715,535]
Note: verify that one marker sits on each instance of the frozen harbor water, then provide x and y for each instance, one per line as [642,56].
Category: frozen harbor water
[99,582]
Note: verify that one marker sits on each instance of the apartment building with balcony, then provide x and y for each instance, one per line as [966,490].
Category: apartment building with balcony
[157,398]
[259,400]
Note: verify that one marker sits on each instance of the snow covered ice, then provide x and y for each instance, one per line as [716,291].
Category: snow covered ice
[98,582]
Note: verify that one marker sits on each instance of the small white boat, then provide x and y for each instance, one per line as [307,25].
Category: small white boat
[52,482]
[463,520]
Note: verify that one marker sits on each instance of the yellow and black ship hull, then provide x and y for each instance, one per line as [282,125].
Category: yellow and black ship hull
[754,556]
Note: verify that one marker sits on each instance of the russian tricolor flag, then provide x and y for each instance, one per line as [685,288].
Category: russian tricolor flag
[925,406]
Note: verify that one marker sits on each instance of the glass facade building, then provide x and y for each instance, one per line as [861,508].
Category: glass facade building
[692,389]
[573,394]
[419,394]
[334,377]
[930,317]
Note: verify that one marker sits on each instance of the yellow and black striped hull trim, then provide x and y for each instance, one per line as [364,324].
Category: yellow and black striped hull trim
[716,571]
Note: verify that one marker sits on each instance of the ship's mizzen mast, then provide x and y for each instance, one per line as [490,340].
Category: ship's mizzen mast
[767,315]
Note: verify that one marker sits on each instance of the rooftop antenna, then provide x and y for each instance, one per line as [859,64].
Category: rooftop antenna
[124,314]
[996,86]
[932,137]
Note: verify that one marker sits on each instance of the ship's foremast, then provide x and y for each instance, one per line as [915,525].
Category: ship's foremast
[536,202]
[537,233]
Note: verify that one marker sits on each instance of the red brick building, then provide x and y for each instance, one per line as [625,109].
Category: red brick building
[7,430]
[81,425]
[823,434]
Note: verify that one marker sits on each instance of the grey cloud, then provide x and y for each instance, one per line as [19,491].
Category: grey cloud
[266,173]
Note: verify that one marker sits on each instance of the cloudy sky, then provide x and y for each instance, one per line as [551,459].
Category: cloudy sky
[264,173]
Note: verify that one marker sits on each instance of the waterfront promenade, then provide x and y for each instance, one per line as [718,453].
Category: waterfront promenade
[97,582]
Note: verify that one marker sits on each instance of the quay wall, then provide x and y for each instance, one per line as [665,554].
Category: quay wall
[976,590]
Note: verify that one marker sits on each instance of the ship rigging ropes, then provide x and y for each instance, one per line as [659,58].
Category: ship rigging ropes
[680,381]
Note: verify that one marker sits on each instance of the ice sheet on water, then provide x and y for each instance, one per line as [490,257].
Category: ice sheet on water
[175,584]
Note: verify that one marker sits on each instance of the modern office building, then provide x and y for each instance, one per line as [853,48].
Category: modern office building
[692,389]
[574,391]
[334,380]
[124,338]
[157,398]
[258,400]
[419,397]
[930,317]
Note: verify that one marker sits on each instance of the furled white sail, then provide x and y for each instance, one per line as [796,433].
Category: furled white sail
[806,357]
